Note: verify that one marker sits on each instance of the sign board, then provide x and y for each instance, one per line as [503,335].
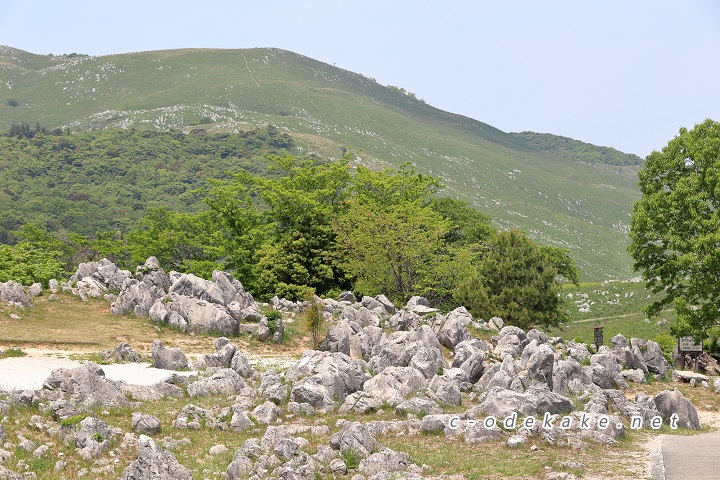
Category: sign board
[687,344]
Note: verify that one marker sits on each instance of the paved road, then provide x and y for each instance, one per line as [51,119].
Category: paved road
[687,458]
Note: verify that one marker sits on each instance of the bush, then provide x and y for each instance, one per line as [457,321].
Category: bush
[667,344]
[273,319]
[11,102]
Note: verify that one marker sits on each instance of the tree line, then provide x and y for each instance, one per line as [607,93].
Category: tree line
[312,227]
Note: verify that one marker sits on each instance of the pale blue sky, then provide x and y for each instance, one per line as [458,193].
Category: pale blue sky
[625,74]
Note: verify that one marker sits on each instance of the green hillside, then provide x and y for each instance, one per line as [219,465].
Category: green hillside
[576,150]
[561,202]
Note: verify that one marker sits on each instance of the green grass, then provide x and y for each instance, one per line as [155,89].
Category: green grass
[557,201]
[12,352]
[616,306]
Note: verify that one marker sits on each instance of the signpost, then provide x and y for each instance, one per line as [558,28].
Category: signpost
[688,346]
[598,330]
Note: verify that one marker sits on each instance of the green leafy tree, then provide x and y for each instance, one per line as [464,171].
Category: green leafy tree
[675,228]
[390,240]
[391,250]
[515,281]
[284,224]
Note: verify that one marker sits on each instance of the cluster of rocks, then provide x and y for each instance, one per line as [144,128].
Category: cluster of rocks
[183,301]
[15,295]
[376,357]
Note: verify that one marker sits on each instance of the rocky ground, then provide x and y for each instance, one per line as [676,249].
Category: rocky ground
[393,392]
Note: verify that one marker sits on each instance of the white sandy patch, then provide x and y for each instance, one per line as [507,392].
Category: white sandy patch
[29,372]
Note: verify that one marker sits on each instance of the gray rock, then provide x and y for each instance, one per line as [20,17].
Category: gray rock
[232,290]
[241,365]
[154,463]
[217,449]
[240,419]
[360,402]
[541,363]
[386,461]
[635,375]
[469,356]
[537,400]
[477,433]
[136,297]
[122,353]
[419,349]
[454,329]
[224,382]
[144,423]
[6,474]
[201,316]
[512,340]
[91,436]
[569,377]
[240,467]
[363,316]
[267,413]
[354,437]
[322,378]
[496,324]
[34,290]
[654,359]
[418,406]
[395,384]
[347,297]
[286,449]
[190,286]
[387,304]
[81,388]
[337,338]
[671,402]
[167,358]
[578,351]
[13,292]
[619,342]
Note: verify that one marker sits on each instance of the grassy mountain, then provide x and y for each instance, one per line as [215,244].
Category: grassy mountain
[578,205]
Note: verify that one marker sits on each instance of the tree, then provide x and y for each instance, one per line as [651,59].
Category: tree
[284,225]
[675,229]
[515,281]
[391,250]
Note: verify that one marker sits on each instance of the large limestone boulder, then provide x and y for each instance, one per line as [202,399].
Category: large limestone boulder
[188,285]
[338,338]
[454,330]
[154,463]
[356,438]
[511,341]
[673,402]
[84,387]
[322,379]
[394,385]
[13,292]
[470,356]
[568,377]
[224,382]
[419,349]
[536,400]
[136,297]
[167,358]
[200,316]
